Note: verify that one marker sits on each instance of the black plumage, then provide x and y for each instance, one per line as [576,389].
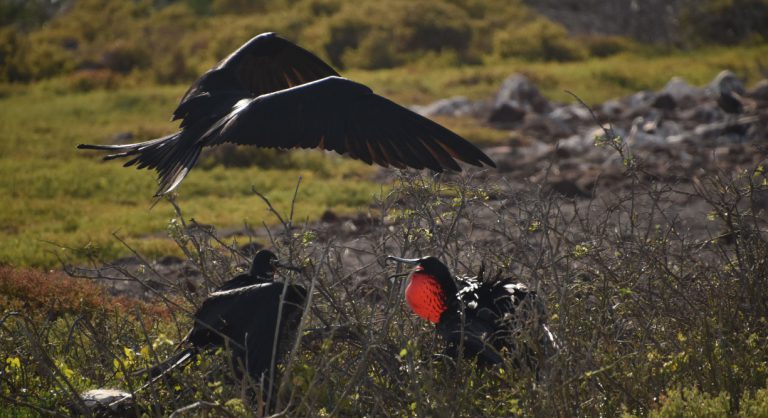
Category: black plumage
[274,94]
[486,319]
[262,270]
[251,315]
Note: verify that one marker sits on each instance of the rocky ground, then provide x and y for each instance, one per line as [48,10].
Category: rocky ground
[678,133]
[675,137]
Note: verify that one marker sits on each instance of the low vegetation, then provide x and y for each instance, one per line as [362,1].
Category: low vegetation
[652,318]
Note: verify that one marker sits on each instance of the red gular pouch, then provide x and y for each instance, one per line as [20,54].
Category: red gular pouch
[425,296]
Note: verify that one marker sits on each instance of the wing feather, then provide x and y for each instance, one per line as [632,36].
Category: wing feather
[346,117]
[265,64]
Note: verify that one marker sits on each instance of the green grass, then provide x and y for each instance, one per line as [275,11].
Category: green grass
[594,80]
[52,193]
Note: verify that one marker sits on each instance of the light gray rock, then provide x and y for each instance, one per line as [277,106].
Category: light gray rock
[612,109]
[576,144]
[573,113]
[545,128]
[759,91]
[457,106]
[685,95]
[641,99]
[524,94]
[726,82]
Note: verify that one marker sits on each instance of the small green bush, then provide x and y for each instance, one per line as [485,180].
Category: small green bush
[11,42]
[376,50]
[724,21]
[605,45]
[123,57]
[691,403]
[538,40]
[87,80]
[755,406]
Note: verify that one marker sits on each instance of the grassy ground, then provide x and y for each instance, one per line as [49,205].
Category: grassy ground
[52,193]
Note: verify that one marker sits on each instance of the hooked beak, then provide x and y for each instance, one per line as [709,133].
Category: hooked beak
[284,265]
[412,261]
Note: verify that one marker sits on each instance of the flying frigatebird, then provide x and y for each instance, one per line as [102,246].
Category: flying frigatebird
[272,93]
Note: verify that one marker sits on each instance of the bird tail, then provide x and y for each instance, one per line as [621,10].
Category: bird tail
[172,156]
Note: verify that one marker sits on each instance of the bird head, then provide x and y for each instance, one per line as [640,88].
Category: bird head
[265,263]
[431,288]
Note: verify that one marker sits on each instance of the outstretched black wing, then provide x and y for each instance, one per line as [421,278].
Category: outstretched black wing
[265,64]
[340,115]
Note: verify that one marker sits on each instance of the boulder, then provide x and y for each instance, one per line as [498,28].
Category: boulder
[759,91]
[612,109]
[664,102]
[575,145]
[545,128]
[518,90]
[457,106]
[641,99]
[507,114]
[726,82]
[572,113]
[684,94]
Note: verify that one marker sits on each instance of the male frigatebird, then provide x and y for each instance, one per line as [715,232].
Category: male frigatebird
[272,93]
[246,315]
[480,318]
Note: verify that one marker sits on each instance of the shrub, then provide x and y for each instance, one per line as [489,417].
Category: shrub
[537,40]
[755,406]
[376,50]
[404,28]
[53,294]
[691,403]
[605,45]
[123,57]
[724,21]
[26,14]
[11,45]
[87,80]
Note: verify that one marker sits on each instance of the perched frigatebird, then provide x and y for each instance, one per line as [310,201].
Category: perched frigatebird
[246,314]
[272,93]
[480,318]
[262,270]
